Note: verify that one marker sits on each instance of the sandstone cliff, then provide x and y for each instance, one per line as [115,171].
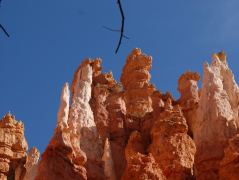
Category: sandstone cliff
[130,130]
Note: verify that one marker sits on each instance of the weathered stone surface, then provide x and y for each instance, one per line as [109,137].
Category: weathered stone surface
[31,164]
[171,147]
[117,131]
[108,162]
[216,119]
[102,86]
[230,163]
[135,79]
[130,130]
[76,139]
[13,146]
[63,158]
[109,111]
[81,119]
[188,88]
[139,165]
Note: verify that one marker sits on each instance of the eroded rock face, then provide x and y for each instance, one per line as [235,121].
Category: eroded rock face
[31,164]
[63,158]
[110,131]
[230,162]
[108,162]
[216,119]
[139,165]
[81,119]
[13,147]
[133,131]
[135,79]
[171,147]
[189,99]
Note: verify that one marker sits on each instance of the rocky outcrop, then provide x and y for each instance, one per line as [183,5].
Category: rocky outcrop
[216,119]
[81,119]
[230,162]
[135,80]
[189,99]
[31,164]
[108,162]
[133,131]
[13,148]
[109,130]
[139,165]
[172,148]
[63,157]
[76,138]
[109,110]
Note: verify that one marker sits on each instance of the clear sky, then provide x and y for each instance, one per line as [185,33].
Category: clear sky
[49,38]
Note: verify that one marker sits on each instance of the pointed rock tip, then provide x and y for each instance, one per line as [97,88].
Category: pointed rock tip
[220,56]
[62,116]
[85,62]
[96,65]
[34,149]
[136,51]
[8,117]
[66,88]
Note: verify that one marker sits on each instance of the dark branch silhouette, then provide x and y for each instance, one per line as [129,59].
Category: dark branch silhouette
[122,26]
[4,30]
[115,30]
[1,27]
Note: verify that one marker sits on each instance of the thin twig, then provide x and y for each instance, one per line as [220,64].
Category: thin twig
[115,30]
[122,25]
[4,30]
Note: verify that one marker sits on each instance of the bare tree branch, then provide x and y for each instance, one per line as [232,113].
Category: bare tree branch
[1,27]
[4,30]
[122,25]
[115,30]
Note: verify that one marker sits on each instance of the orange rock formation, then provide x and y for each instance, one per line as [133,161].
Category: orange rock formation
[129,130]
[13,148]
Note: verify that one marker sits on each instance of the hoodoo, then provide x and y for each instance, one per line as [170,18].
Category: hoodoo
[109,130]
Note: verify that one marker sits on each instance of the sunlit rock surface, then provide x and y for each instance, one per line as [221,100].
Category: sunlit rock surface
[172,148]
[31,164]
[135,80]
[139,164]
[13,147]
[63,157]
[109,130]
[216,118]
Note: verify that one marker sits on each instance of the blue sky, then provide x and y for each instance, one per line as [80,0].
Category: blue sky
[49,38]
